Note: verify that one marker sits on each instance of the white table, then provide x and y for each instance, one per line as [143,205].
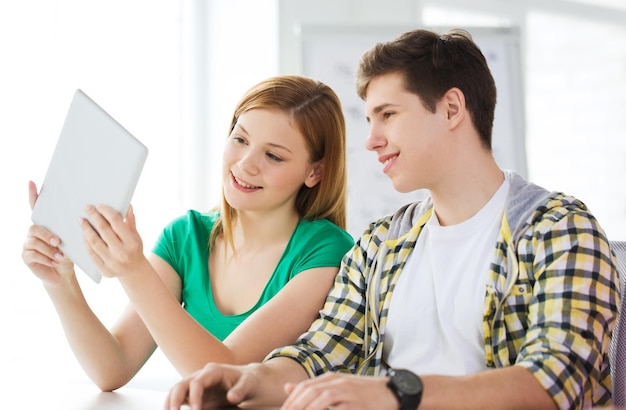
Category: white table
[82,396]
[42,394]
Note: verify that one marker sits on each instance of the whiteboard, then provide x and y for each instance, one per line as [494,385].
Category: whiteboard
[331,54]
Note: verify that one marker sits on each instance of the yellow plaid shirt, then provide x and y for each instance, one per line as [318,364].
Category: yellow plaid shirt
[551,297]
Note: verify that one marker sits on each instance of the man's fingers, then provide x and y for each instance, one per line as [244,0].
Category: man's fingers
[177,395]
[241,390]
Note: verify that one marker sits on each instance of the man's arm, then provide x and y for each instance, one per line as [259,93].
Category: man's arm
[506,388]
[511,387]
[573,308]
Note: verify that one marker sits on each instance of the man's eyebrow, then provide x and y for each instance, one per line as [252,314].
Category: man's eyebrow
[382,107]
[379,108]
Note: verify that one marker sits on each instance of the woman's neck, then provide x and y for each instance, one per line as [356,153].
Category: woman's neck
[256,231]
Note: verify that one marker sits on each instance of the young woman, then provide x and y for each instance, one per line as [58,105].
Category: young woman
[231,284]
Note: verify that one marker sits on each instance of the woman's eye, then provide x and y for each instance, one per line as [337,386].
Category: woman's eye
[387,115]
[274,157]
[238,139]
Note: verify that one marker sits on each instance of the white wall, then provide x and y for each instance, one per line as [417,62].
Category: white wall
[572,68]
[230,46]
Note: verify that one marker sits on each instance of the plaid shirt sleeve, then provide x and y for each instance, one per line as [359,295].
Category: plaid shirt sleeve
[573,305]
[335,341]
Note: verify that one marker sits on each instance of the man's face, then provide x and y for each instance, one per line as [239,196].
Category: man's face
[408,139]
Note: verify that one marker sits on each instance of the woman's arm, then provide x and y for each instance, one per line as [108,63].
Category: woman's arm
[109,359]
[116,249]
[189,346]
[283,318]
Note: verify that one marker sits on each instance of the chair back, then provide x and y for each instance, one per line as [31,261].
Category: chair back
[617,349]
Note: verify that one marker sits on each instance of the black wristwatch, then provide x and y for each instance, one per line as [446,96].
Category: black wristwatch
[407,386]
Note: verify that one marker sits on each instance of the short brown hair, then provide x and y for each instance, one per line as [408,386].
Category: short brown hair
[431,64]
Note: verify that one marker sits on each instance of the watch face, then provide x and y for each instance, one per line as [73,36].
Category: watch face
[407,382]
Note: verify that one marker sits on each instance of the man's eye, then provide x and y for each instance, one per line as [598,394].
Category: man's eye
[387,115]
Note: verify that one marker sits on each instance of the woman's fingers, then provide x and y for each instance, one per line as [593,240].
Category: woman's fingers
[41,241]
[32,194]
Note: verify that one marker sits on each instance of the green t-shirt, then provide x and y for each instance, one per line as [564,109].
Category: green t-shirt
[183,244]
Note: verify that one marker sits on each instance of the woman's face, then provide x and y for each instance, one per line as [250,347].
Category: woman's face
[266,161]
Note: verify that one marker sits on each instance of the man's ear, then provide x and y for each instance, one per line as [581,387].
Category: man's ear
[454,106]
[315,176]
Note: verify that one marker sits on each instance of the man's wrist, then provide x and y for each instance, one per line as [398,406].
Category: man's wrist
[407,388]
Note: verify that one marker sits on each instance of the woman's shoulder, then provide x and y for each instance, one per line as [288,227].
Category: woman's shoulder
[318,243]
[193,220]
[322,227]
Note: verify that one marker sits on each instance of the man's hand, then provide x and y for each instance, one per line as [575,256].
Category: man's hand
[341,391]
[213,386]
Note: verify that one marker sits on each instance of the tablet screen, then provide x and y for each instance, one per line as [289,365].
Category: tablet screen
[96,161]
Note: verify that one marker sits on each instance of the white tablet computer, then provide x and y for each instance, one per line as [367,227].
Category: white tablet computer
[96,161]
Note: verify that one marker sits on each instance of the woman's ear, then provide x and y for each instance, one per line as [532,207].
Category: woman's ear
[315,176]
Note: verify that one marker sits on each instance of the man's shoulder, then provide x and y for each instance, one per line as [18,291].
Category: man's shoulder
[552,208]
[527,203]
[557,205]
[398,223]
[530,206]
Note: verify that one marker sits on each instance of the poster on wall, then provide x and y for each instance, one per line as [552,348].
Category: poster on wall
[331,54]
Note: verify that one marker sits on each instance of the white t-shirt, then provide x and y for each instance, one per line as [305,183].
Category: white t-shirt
[434,324]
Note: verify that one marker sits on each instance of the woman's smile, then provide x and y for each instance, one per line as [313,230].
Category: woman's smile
[244,186]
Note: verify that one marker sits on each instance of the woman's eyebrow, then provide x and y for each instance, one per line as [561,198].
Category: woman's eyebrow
[237,125]
[278,146]
[273,145]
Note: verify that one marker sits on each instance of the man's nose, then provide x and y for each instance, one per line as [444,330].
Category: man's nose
[375,140]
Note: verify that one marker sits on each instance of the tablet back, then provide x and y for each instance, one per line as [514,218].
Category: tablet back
[96,161]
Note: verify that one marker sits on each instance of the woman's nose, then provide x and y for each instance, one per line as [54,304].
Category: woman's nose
[249,163]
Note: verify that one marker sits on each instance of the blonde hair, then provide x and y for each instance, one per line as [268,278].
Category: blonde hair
[316,112]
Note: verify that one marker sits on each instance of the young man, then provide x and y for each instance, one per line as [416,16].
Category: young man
[492,293]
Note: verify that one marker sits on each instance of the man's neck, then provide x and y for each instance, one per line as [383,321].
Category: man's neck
[465,192]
